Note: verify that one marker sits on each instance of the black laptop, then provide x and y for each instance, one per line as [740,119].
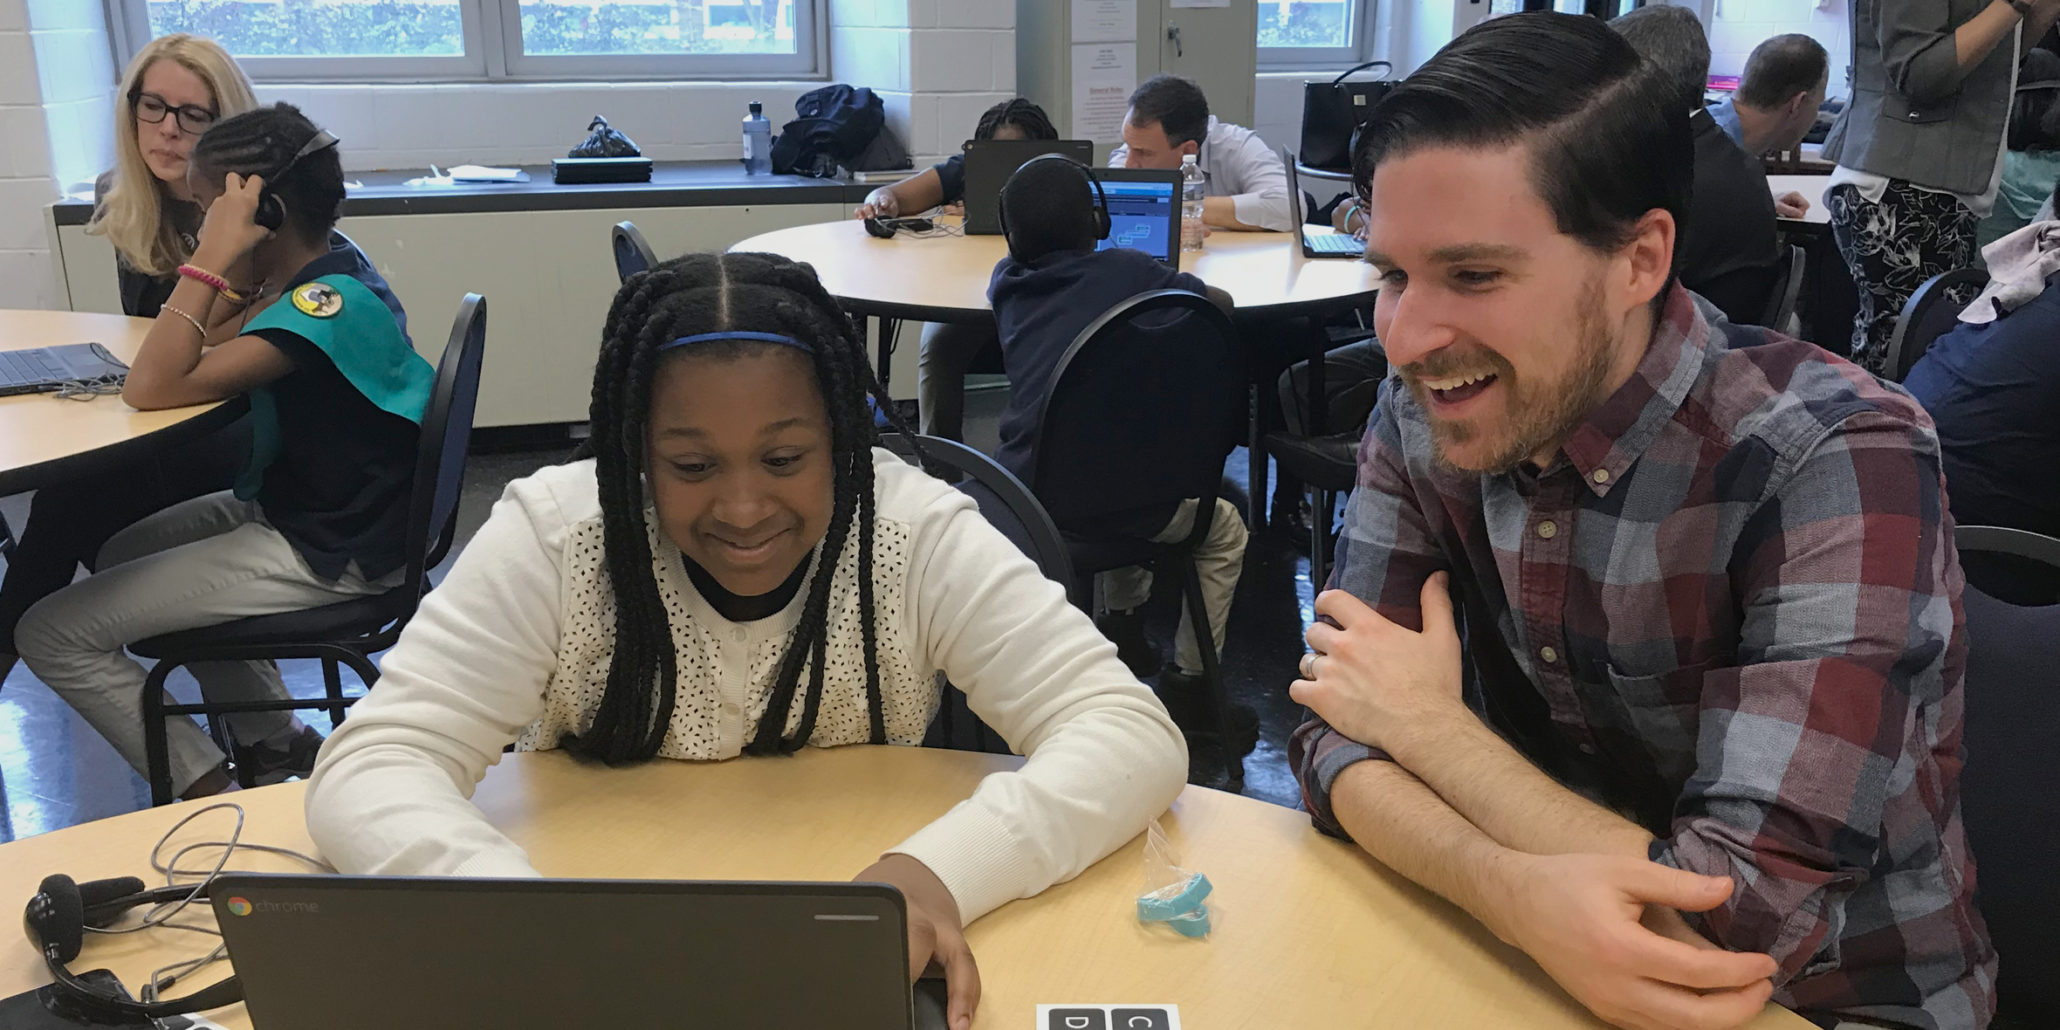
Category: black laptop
[399,953]
[48,369]
[990,162]
[1317,241]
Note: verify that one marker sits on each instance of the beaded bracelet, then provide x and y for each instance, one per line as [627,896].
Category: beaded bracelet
[197,327]
[202,275]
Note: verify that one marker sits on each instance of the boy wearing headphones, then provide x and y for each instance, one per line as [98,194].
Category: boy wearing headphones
[1050,287]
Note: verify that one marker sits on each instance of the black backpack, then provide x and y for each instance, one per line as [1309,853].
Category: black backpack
[834,126]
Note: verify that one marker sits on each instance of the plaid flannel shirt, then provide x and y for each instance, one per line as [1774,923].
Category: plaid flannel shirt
[1731,607]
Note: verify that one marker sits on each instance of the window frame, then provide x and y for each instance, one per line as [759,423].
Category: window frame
[1281,58]
[492,35]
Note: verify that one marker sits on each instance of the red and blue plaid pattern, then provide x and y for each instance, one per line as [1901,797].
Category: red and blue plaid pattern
[1735,591]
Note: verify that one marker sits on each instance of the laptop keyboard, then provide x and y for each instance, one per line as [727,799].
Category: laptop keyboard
[1336,243]
[21,367]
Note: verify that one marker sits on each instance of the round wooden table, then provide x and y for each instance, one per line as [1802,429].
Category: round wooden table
[943,278]
[1309,932]
[45,438]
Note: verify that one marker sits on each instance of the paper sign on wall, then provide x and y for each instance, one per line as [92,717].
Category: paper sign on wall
[1103,76]
[1104,21]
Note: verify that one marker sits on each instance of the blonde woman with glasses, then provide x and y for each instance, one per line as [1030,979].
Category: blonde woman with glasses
[175,89]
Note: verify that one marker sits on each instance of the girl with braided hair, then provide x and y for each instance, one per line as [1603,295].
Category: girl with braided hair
[739,570]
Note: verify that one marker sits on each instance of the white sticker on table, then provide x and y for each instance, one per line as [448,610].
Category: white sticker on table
[1108,1017]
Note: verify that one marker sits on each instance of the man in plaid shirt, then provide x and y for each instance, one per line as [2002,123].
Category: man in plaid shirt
[1645,648]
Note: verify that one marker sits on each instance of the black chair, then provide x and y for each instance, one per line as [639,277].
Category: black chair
[2010,787]
[348,632]
[1929,313]
[1781,305]
[632,253]
[1143,408]
[6,539]
[1006,503]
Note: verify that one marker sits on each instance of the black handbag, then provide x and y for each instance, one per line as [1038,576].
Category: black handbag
[1332,113]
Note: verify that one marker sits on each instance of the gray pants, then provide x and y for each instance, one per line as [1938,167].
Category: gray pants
[199,563]
[948,352]
[1219,560]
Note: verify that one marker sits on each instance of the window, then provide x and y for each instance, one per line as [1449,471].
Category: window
[410,40]
[1313,32]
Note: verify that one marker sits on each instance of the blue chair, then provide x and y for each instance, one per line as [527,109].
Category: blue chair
[348,632]
[1006,503]
[1143,408]
[2010,787]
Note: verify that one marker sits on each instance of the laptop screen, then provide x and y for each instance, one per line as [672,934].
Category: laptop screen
[1143,216]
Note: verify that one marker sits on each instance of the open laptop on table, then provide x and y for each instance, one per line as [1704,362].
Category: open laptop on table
[1316,241]
[1144,211]
[402,953]
[990,162]
[48,369]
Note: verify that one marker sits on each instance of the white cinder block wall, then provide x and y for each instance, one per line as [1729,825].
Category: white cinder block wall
[56,104]
[1736,26]
[936,63]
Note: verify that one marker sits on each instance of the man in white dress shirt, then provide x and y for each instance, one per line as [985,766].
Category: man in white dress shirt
[1169,119]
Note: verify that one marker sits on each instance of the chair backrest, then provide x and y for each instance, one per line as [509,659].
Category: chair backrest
[2010,787]
[1782,302]
[632,253]
[1929,313]
[1143,408]
[446,441]
[1002,498]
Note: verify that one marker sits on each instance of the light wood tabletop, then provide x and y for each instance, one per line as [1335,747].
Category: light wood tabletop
[1308,931]
[1812,188]
[41,434]
[943,277]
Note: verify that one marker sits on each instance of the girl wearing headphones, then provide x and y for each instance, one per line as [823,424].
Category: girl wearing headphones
[739,570]
[274,305]
[175,89]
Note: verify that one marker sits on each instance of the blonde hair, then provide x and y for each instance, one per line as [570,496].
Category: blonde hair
[131,214]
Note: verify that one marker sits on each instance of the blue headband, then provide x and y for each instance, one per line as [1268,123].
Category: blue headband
[785,341]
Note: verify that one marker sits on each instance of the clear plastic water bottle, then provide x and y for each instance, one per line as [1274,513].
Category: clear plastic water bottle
[1193,186]
[757,142]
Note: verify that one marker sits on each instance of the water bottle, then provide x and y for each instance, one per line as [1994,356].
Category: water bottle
[1193,186]
[757,142]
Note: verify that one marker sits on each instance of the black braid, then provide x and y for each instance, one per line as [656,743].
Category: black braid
[263,142]
[703,293]
[1020,113]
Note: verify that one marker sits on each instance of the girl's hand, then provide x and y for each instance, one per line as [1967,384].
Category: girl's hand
[230,230]
[935,935]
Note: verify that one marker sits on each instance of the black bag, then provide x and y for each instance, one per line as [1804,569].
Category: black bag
[834,125]
[603,141]
[1332,113]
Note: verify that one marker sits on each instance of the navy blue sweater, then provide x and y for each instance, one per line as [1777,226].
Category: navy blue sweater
[1040,306]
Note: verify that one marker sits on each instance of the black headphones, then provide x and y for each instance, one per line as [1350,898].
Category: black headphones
[56,922]
[1101,199]
[271,211]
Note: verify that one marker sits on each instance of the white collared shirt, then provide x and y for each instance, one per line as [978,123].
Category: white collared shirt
[1242,167]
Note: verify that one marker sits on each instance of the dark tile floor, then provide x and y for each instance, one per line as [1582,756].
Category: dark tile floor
[55,771]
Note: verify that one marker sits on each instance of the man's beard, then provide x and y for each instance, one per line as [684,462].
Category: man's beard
[1537,415]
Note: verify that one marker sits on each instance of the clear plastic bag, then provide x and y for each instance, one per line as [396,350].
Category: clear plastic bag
[1172,895]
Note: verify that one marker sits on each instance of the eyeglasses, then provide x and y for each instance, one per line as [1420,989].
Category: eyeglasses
[193,118]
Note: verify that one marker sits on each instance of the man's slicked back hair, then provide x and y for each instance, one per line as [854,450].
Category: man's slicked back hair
[1607,144]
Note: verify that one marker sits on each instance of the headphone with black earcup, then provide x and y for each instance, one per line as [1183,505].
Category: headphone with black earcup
[271,211]
[56,921]
[1101,199]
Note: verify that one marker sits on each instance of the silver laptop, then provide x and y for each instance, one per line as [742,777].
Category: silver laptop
[1317,241]
[47,369]
[403,953]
